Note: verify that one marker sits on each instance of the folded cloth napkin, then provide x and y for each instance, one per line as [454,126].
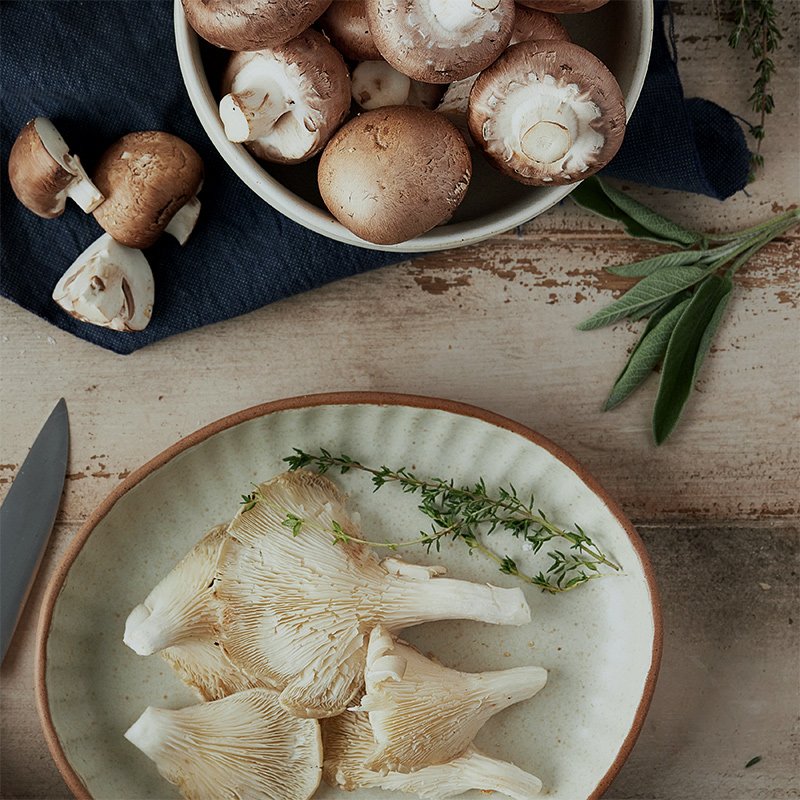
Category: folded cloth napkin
[100,69]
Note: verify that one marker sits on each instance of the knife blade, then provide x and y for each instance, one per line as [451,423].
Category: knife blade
[27,517]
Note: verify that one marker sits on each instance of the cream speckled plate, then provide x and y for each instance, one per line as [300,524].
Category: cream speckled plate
[601,643]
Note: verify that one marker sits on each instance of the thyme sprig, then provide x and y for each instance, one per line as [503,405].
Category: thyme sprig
[470,513]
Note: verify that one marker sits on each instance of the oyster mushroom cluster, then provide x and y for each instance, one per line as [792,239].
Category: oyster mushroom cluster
[145,184]
[287,625]
[395,94]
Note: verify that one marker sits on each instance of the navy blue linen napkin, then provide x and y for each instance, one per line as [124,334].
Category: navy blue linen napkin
[100,69]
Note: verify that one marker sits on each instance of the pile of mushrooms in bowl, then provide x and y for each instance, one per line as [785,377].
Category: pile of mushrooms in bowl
[416,125]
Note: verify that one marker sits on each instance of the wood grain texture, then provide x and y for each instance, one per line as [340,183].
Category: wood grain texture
[494,325]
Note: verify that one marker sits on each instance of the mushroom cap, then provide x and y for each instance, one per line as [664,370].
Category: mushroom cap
[532,24]
[109,285]
[440,41]
[423,713]
[245,746]
[146,177]
[251,24]
[345,24]
[563,6]
[547,113]
[313,82]
[391,174]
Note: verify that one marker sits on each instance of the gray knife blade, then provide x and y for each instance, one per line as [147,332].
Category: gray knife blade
[27,516]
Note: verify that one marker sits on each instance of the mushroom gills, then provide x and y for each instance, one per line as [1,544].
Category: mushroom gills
[109,285]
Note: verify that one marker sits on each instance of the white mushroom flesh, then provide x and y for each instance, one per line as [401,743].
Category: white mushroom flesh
[443,20]
[80,189]
[184,220]
[348,743]
[245,746]
[109,285]
[376,84]
[297,608]
[422,713]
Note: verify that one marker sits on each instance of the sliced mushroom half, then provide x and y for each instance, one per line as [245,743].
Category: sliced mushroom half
[547,113]
[285,103]
[108,285]
[43,173]
[439,41]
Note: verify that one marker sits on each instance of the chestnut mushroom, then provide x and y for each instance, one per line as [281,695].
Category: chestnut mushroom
[547,113]
[376,84]
[285,103]
[109,285]
[345,24]
[563,6]
[150,180]
[440,41]
[251,24]
[43,173]
[528,24]
[391,174]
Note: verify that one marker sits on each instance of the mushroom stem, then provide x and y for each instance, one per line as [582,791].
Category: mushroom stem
[461,14]
[147,733]
[506,687]
[253,113]
[182,224]
[83,191]
[412,602]
[546,141]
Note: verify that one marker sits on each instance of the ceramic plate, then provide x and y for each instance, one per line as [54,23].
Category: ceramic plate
[601,643]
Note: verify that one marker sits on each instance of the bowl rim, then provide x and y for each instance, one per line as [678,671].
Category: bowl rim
[310,216]
[56,583]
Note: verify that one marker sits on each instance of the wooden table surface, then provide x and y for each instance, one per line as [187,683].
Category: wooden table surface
[494,325]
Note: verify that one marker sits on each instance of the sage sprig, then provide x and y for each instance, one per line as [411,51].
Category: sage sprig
[684,293]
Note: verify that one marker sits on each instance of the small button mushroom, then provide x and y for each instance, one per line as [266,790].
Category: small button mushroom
[439,41]
[150,180]
[391,174]
[43,173]
[563,6]
[547,113]
[285,103]
[345,24]
[376,84]
[528,24]
[108,285]
[251,24]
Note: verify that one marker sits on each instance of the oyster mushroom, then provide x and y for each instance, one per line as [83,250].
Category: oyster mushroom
[345,24]
[422,713]
[376,84]
[251,24]
[391,174]
[528,24]
[347,742]
[547,113]
[563,6]
[108,285]
[439,41]
[43,173]
[297,606]
[150,180]
[180,619]
[286,103]
[244,746]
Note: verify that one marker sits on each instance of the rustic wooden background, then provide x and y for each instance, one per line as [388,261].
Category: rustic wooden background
[494,325]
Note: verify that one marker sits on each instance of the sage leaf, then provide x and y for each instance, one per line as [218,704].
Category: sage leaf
[646,311]
[590,195]
[649,219]
[686,350]
[658,286]
[648,352]
[641,269]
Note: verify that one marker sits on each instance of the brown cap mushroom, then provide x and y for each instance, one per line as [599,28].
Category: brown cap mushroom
[563,6]
[43,173]
[376,84]
[345,24]
[547,113]
[285,103]
[150,180]
[528,24]
[439,41]
[251,24]
[392,174]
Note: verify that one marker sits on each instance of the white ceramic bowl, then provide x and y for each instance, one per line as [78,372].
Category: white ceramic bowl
[620,34]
